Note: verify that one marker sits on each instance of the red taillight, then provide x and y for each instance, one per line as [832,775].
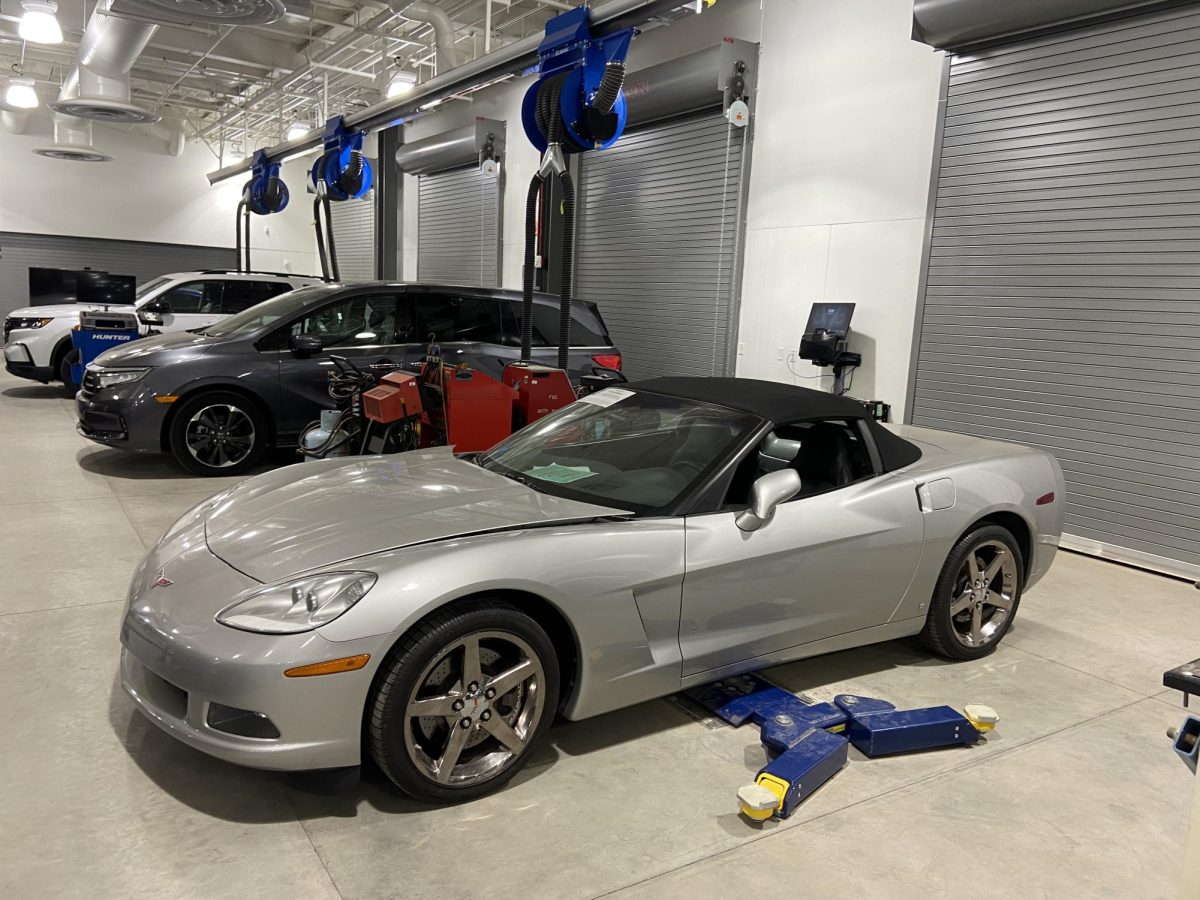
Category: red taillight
[1045,498]
[608,361]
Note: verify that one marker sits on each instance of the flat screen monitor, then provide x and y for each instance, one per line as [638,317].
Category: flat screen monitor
[105,288]
[49,286]
[832,318]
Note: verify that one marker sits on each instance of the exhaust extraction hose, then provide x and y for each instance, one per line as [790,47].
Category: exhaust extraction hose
[609,90]
[531,210]
[567,272]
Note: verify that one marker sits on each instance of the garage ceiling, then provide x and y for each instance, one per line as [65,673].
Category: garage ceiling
[241,88]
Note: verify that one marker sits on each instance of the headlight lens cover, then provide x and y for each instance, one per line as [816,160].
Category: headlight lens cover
[300,604]
[28,322]
[112,377]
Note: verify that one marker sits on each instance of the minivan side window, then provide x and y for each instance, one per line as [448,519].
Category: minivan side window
[362,321]
[446,317]
[587,330]
[240,295]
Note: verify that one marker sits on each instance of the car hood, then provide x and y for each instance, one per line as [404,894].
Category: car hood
[317,514]
[156,350]
[52,311]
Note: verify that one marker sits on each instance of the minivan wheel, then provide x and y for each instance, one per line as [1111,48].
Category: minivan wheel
[218,433]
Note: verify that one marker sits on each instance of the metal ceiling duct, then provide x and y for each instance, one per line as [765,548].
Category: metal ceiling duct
[191,12]
[72,141]
[443,29]
[98,87]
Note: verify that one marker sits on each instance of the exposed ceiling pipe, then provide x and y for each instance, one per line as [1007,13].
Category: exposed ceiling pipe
[443,28]
[72,141]
[98,87]
[508,60]
[171,132]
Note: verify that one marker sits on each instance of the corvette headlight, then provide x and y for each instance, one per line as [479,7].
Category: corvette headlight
[301,604]
[107,378]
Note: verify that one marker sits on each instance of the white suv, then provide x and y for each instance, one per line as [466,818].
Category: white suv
[37,339]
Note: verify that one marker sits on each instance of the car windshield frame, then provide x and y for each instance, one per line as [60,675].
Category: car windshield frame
[515,457]
[147,288]
[250,321]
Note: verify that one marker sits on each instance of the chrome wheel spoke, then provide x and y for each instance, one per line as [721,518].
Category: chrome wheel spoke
[454,749]
[962,604]
[976,626]
[509,679]
[433,706]
[973,567]
[990,573]
[1000,601]
[472,667]
[502,731]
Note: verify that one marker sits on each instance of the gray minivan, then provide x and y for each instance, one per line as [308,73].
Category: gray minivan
[217,397]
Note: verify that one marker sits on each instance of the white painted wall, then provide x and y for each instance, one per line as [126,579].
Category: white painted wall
[842,148]
[145,195]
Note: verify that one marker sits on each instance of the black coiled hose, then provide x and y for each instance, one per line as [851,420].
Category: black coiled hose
[531,209]
[238,221]
[328,257]
[568,264]
[610,87]
[351,179]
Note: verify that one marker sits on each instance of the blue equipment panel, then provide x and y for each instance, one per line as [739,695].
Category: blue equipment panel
[92,342]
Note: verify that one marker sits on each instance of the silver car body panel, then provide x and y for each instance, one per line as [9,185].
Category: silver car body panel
[654,603]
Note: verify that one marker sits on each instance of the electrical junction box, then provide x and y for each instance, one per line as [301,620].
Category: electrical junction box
[540,390]
[396,397]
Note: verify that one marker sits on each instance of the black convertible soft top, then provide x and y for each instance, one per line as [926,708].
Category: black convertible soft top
[780,403]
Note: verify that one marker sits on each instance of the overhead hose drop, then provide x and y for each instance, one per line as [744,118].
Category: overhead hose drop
[241,220]
[326,249]
[567,293]
[351,179]
[531,211]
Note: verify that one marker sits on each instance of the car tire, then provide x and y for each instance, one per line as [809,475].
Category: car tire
[968,618]
[70,358]
[491,737]
[218,433]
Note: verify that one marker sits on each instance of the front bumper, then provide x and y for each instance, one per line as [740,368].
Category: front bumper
[129,419]
[19,361]
[177,666]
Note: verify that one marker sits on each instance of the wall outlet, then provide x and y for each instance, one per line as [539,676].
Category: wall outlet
[779,354]
[741,349]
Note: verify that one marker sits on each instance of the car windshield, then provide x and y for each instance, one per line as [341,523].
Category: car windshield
[263,314]
[629,449]
[150,287]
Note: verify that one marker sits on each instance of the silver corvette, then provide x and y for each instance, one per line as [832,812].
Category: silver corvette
[436,612]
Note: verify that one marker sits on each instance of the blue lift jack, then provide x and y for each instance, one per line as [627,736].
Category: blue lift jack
[809,743]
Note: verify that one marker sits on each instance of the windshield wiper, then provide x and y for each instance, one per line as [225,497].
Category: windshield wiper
[520,479]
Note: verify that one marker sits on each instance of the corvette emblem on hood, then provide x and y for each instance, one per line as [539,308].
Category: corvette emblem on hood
[162,580]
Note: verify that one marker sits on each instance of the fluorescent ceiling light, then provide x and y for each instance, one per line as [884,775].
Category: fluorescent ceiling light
[298,130]
[39,25]
[21,94]
[402,82]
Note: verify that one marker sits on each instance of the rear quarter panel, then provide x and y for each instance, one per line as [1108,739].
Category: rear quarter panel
[991,479]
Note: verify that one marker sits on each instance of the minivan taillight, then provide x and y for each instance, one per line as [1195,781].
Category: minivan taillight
[608,361]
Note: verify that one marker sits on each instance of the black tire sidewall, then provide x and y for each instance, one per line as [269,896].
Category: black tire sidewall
[64,371]
[189,407]
[394,683]
[938,634]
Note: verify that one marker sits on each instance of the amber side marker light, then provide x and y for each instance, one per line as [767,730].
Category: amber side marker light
[333,666]
[165,398]
[1045,498]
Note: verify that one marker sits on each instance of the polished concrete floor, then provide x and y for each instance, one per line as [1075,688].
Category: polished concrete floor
[1075,795]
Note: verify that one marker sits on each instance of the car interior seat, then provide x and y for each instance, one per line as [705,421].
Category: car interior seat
[826,459]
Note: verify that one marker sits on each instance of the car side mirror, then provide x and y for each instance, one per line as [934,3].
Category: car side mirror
[157,306]
[306,345]
[768,492]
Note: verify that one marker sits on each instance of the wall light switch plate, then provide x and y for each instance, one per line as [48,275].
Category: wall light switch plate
[779,354]
[741,349]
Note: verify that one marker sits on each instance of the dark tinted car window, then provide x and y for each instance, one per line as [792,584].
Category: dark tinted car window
[194,297]
[449,318]
[353,321]
[240,295]
[587,328]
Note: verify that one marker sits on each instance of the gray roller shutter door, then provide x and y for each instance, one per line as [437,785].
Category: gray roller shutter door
[659,223]
[19,252]
[1062,298]
[458,228]
[354,234]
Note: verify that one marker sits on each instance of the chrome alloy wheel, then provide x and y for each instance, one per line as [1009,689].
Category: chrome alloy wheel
[475,708]
[983,594]
[219,435]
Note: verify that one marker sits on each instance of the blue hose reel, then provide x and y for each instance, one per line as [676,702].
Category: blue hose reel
[581,75]
[265,192]
[343,170]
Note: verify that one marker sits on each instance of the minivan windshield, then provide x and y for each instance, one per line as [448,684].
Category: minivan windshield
[263,314]
[621,448]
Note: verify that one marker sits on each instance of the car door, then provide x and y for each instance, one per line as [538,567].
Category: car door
[469,328]
[368,329]
[192,304]
[826,564]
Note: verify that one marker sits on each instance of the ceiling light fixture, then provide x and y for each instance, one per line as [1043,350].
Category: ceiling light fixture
[297,130]
[401,83]
[39,25]
[20,94]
